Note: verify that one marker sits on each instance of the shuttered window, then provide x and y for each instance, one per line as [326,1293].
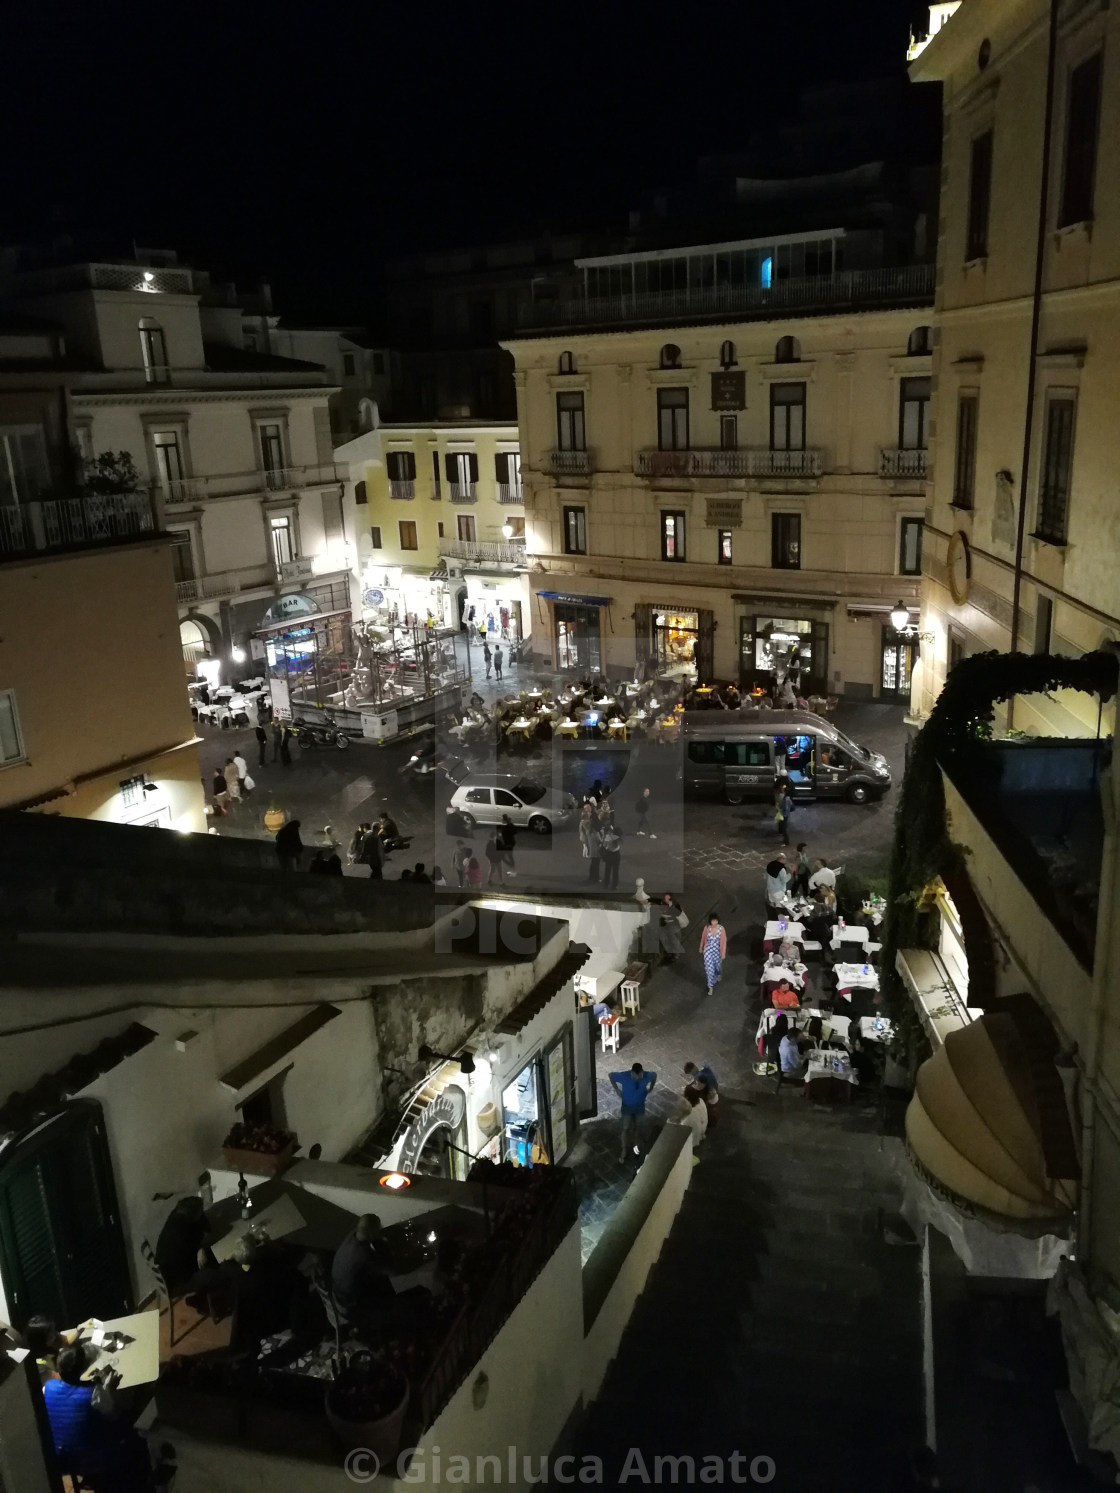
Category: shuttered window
[964,469]
[332,517]
[401,465]
[1057,464]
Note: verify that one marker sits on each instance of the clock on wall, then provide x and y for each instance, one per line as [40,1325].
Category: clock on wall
[960,567]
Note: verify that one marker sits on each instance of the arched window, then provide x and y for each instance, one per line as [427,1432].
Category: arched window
[670,355]
[788,350]
[727,355]
[367,414]
[153,350]
[920,341]
[567,363]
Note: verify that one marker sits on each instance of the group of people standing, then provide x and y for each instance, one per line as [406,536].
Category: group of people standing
[231,784]
[697,1107]
[600,834]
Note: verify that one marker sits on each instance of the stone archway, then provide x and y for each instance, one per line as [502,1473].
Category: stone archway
[199,636]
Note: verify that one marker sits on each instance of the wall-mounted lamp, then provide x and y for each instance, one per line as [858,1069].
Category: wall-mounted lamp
[465,1059]
[507,530]
[900,616]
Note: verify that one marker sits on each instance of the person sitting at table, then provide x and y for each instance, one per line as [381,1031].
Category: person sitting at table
[790,1058]
[88,1440]
[44,1342]
[789,952]
[181,1240]
[363,1292]
[784,995]
[863,1062]
[772,1040]
[823,875]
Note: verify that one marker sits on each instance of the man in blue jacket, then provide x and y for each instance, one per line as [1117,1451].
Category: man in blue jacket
[632,1088]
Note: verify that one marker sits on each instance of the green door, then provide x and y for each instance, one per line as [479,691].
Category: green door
[61,1242]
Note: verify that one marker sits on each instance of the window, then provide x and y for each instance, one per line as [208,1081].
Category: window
[437,489]
[348,365]
[727,355]
[401,466]
[723,552]
[765,272]
[570,435]
[518,527]
[788,350]
[462,473]
[729,432]
[24,469]
[910,547]
[672,536]
[567,363]
[672,419]
[271,437]
[375,536]
[361,495]
[979,197]
[407,531]
[169,461]
[964,468]
[153,350]
[11,738]
[1079,166]
[575,531]
[919,342]
[670,356]
[478,796]
[182,556]
[785,541]
[464,524]
[787,417]
[1043,622]
[913,414]
[507,474]
[281,530]
[956,651]
[1057,462]
[379,365]
[439,531]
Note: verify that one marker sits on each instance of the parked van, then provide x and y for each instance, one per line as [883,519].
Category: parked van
[739,753]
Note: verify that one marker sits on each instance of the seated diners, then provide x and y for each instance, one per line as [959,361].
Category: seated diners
[823,875]
[790,1057]
[88,1438]
[180,1242]
[360,1284]
[784,995]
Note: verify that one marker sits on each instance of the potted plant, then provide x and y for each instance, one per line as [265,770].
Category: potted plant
[260,1150]
[365,1404]
[274,818]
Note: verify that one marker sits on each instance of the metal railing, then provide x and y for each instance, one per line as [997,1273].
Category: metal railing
[463,492]
[74,523]
[484,551]
[902,285]
[402,487]
[719,463]
[898,461]
[569,463]
[509,492]
[225,583]
[235,484]
[166,280]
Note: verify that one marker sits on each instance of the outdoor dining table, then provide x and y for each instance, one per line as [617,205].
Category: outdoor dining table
[774,974]
[849,935]
[138,1361]
[875,1029]
[568,727]
[323,1224]
[277,1220]
[829,1074]
[617,728]
[855,976]
[780,928]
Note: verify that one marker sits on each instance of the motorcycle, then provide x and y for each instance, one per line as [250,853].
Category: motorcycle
[321,734]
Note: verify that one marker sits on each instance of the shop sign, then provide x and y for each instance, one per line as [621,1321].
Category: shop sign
[724,513]
[570,599]
[286,607]
[373,597]
[729,390]
[448,1110]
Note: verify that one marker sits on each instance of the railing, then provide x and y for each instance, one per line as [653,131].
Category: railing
[509,493]
[569,463]
[463,492]
[170,280]
[903,285]
[236,484]
[897,461]
[402,487]
[74,523]
[743,463]
[484,551]
[225,583]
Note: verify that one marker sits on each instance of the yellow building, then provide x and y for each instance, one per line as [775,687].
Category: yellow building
[1023,530]
[94,720]
[738,476]
[437,520]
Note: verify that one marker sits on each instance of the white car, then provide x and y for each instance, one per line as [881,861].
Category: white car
[485,798]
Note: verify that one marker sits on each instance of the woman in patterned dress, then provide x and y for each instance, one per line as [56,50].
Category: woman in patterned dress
[713,949]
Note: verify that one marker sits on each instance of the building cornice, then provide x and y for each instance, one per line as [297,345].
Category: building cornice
[179,394]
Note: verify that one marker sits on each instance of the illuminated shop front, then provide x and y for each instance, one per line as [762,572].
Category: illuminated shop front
[496,605]
[399,596]
[675,637]
[538,1106]
[772,648]
[576,630]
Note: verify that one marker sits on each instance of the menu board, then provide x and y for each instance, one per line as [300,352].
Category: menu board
[558,1100]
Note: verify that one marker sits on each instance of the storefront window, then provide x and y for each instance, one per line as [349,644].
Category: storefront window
[773,647]
[521,1117]
[538,1107]
[674,643]
[578,641]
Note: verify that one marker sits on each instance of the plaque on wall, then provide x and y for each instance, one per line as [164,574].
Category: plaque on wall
[729,390]
[724,513]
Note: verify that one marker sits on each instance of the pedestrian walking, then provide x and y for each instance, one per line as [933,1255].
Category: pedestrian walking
[285,746]
[495,858]
[783,808]
[233,781]
[370,853]
[672,921]
[498,661]
[591,841]
[800,882]
[219,793]
[277,740]
[632,1089]
[713,949]
[289,846]
[262,744]
[704,1080]
[487,656]
[459,858]
[611,840]
[642,808]
[247,784]
[507,840]
[474,872]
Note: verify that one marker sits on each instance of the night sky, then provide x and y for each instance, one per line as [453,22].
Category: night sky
[304,144]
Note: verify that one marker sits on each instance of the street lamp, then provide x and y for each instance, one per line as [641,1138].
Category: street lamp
[507,530]
[465,1060]
[900,616]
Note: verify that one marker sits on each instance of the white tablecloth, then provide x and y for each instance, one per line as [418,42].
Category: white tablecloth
[775,931]
[852,976]
[875,1029]
[829,1065]
[841,936]
[772,973]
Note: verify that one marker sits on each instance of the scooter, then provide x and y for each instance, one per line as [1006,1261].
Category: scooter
[321,734]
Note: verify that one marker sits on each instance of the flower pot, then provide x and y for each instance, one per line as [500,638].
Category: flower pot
[259,1163]
[381,1436]
[274,820]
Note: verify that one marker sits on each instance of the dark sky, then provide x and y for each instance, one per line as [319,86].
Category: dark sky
[306,142]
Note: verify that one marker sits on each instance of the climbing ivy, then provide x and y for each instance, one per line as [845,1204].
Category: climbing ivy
[922,850]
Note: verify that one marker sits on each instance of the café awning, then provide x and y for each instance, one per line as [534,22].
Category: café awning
[574,599]
[975,1128]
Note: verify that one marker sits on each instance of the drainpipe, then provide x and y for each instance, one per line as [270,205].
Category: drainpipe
[1036,315]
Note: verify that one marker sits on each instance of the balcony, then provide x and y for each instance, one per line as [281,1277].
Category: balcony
[224,583]
[906,285]
[509,492]
[163,280]
[74,523]
[750,463]
[895,461]
[402,488]
[244,484]
[463,492]
[569,463]
[485,552]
